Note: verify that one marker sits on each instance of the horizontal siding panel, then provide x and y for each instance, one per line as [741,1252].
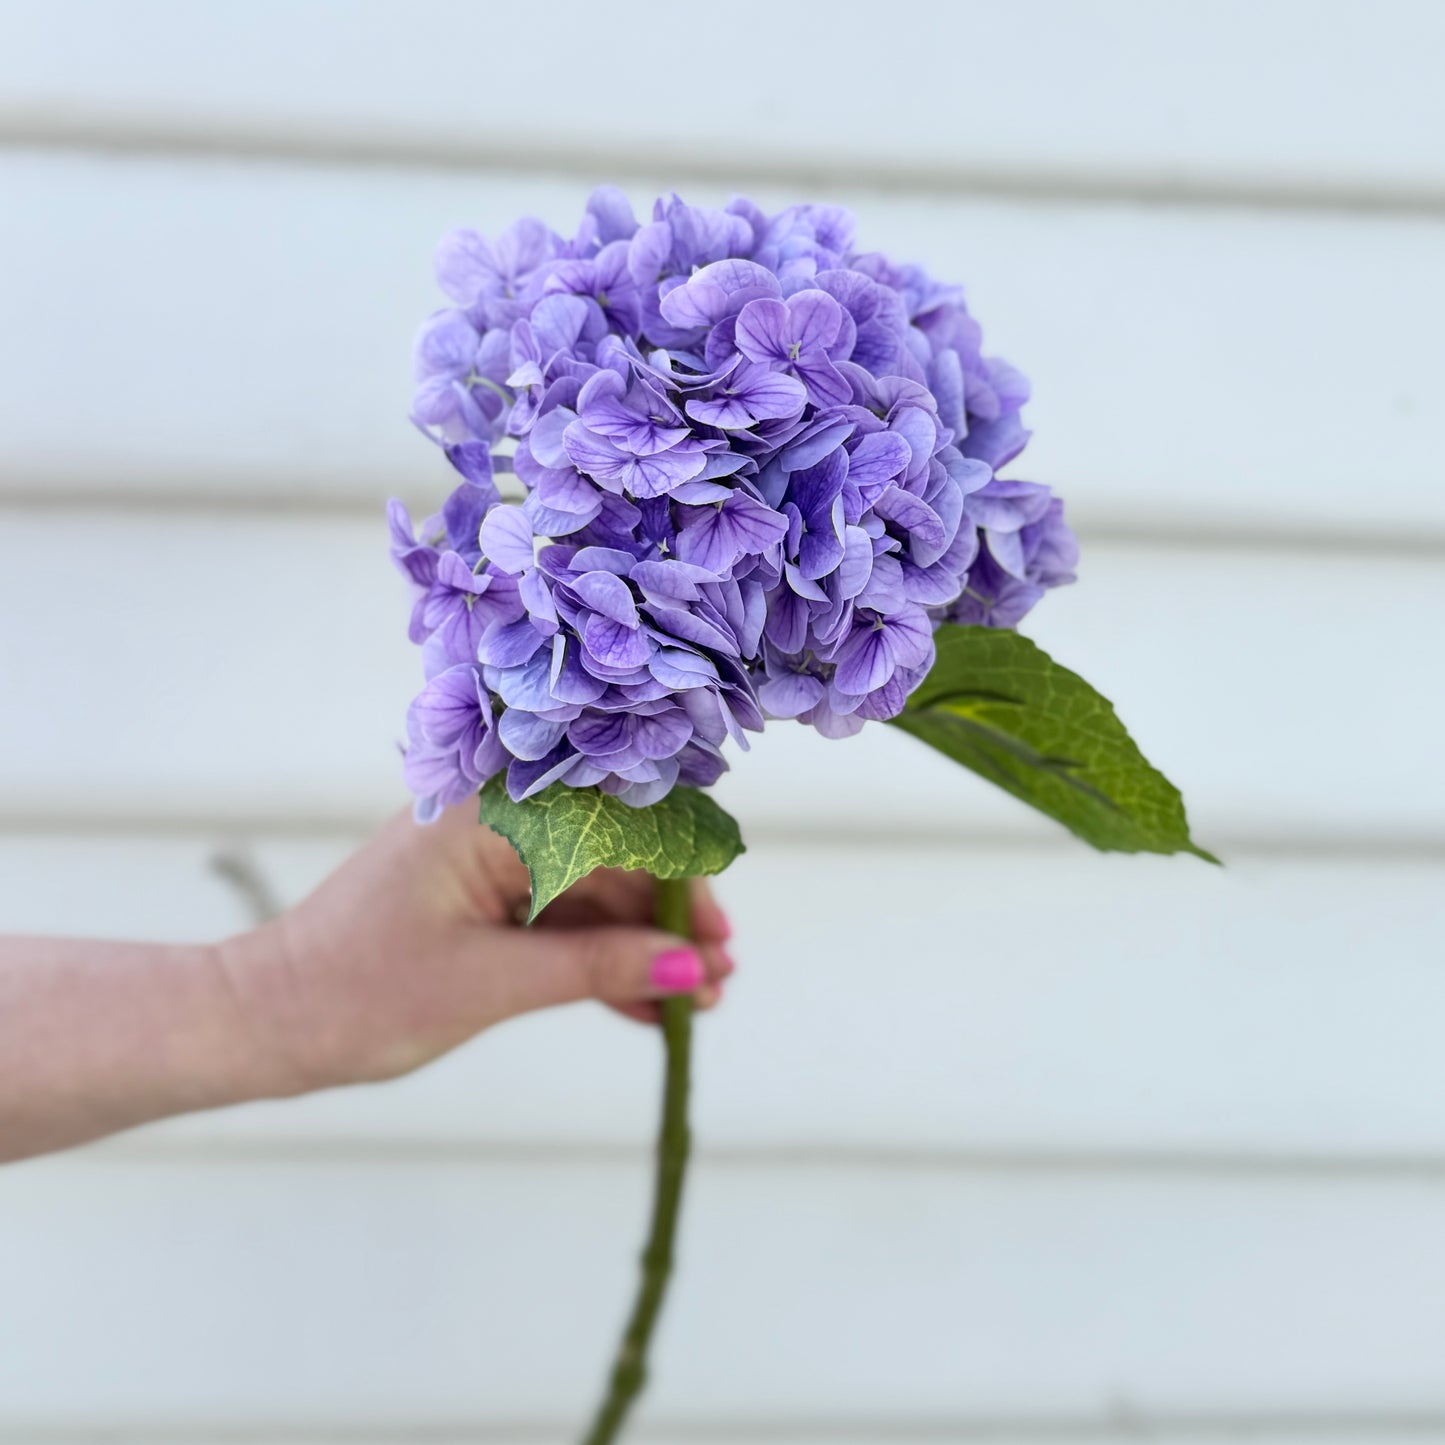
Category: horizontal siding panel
[256,666]
[953,1001]
[246,329]
[1086,1432]
[347,1295]
[1262,94]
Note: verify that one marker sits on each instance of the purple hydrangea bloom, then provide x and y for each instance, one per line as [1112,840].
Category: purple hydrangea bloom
[754,468]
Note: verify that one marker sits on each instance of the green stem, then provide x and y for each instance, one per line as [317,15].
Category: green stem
[673,912]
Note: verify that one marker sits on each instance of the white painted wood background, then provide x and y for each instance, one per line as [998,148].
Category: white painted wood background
[999,1140]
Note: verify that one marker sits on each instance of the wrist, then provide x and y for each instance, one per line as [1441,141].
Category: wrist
[284,1047]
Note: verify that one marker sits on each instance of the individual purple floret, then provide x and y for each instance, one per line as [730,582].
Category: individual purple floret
[754,469]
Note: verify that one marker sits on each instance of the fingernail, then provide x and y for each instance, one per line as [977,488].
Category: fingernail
[679,970]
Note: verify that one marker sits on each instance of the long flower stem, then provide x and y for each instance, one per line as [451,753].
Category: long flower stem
[673,912]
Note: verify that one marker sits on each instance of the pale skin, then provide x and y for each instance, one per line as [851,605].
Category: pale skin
[412,947]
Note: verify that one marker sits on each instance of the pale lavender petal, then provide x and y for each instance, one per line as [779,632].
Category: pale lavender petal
[814,321]
[763,331]
[509,644]
[528,736]
[614,644]
[607,593]
[790,694]
[507,539]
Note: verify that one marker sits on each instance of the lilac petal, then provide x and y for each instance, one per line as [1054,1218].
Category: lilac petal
[648,250]
[614,644]
[463,266]
[910,634]
[546,441]
[857,565]
[507,539]
[569,681]
[716,291]
[1005,505]
[920,431]
[832,724]
[683,625]
[865,660]
[719,536]
[827,386]
[723,464]
[557,322]
[639,434]
[565,489]
[462,514]
[856,293]
[814,320]
[509,644]
[416,560]
[527,687]
[877,459]
[448,709]
[527,736]
[474,461]
[644,795]
[945,381]
[731,413]
[764,331]
[788,616]
[699,765]
[656,476]
[884,590]
[997,442]
[969,473]
[607,593]
[599,735]
[548,522]
[700,492]
[612,211]
[670,580]
[810,448]
[536,596]
[527,779]
[790,694]
[435,402]
[662,735]
[752,393]
[438,778]
[679,669]
[595,455]
[446,346]
[927,539]
[1008,551]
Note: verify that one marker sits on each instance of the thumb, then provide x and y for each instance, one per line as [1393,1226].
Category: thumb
[614,964]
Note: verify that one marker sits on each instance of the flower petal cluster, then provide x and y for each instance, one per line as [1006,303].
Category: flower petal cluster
[750,469]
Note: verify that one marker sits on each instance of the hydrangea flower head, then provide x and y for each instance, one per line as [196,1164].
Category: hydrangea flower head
[751,468]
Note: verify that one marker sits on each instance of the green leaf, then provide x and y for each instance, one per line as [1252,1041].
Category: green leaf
[1000,705]
[563,833]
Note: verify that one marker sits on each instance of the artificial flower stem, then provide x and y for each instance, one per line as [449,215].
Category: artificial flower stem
[673,912]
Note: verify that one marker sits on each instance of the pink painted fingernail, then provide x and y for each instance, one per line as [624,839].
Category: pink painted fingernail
[679,970]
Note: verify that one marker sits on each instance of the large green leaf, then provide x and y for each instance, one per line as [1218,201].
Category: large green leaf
[562,834]
[998,704]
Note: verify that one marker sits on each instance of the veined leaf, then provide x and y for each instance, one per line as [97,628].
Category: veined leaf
[999,704]
[563,833]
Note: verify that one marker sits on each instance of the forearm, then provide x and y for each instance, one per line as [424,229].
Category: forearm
[97,1037]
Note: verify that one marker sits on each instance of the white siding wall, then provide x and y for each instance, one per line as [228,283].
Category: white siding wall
[999,1140]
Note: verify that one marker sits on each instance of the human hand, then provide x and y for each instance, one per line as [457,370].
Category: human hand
[416,943]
